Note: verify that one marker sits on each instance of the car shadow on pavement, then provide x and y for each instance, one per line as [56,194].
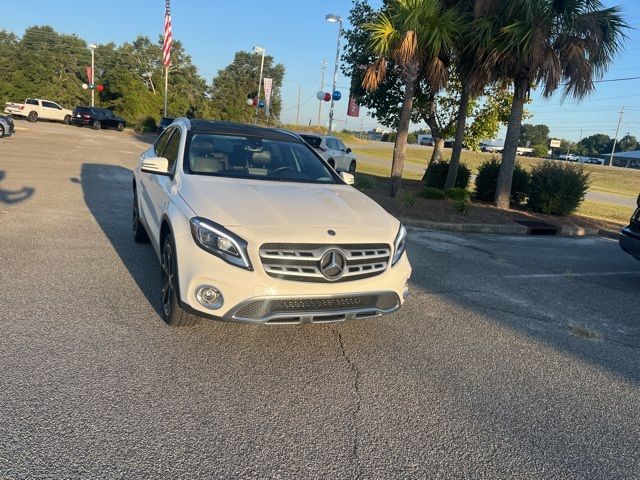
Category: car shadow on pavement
[14,196]
[107,191]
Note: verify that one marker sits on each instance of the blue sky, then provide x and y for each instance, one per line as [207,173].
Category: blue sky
[295,33]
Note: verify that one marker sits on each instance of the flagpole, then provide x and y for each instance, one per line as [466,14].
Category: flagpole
[166,87]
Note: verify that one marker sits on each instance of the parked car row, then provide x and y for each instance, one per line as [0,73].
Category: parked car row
[34,109]
[332,150]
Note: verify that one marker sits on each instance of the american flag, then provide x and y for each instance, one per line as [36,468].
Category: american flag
[168,38]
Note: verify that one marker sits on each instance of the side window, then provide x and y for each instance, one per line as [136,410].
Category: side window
[31,101]
[331,143]
[171,152]
[49,105]
[341,146]
[161,142]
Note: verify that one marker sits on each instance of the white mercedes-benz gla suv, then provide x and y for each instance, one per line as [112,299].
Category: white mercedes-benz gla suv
[251,225]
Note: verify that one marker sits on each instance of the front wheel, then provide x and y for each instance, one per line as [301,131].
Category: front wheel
[96,125]
[352,167]
[120,127]
[1,131]
[32,117]
[67,119]
[173,314]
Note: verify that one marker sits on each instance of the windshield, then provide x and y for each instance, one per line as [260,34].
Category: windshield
[255,158]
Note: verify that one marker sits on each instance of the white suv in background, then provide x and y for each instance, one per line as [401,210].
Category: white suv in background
[251,225]
[333,151]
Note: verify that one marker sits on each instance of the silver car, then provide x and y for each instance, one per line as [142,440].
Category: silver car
[6,126]
[333,151]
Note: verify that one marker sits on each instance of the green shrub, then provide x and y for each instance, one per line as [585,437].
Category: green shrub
[408,200]
[433,193]
[461,205]
[437,175]
[146,124]
[457,193]
[557,188]
[487,182]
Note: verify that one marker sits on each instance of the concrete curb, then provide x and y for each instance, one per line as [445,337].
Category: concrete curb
[468,227]
[501,229]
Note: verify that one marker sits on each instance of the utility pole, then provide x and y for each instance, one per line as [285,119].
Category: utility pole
[262,51]
[92,81]
[615,140]
[298,109]
[324,66]
[338,19]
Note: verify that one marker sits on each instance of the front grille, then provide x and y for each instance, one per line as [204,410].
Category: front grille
[318,309]
[301,261]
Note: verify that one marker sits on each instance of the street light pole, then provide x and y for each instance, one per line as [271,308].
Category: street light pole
[92,80]
[259,50]
[333,18]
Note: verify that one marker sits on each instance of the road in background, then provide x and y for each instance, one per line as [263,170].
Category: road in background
[515,357]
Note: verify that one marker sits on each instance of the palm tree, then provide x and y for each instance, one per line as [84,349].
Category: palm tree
[473,78]
[415,35]
[545,43]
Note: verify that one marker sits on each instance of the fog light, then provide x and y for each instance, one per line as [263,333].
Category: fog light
[209,297]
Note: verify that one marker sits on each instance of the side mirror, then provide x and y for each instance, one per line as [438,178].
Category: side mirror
[156,165]
[348,150]
[347,178]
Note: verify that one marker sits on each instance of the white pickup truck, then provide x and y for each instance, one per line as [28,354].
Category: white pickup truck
[34,109]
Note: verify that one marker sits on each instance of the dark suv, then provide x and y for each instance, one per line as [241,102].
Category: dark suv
[98,118]
[630,236]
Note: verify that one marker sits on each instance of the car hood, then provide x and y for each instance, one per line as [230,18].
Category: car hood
[262,203]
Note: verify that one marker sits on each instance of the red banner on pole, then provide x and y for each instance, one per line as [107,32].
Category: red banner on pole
[90,75]
[354,109]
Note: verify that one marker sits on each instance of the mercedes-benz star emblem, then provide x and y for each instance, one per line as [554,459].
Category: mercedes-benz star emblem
[332,264]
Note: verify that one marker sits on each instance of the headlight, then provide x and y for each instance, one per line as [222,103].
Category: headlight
[399,244]
[220,242]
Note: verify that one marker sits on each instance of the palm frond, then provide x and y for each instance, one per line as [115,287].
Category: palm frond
[408,49]
[375,74]
[382,34]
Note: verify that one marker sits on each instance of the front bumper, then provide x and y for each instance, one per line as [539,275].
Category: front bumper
[255,297]
[630,242]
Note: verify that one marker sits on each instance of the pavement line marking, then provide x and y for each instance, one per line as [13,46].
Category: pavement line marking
[570,274]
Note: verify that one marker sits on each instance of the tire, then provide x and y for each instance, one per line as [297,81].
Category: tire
[352,167]
[1,131]
[139,232]
[172,313]
[120,127]
[33,116]
[96,125]
[332,164]
[67,119]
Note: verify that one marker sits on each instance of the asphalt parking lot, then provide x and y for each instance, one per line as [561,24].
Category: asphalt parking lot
[515,357]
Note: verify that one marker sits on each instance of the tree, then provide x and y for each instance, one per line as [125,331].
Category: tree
[546,43]
[238,81]
[597,144]
[49,65]
[414,34]
[534,136]
[628,143]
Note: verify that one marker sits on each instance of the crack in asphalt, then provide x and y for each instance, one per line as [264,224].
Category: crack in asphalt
[356,410]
